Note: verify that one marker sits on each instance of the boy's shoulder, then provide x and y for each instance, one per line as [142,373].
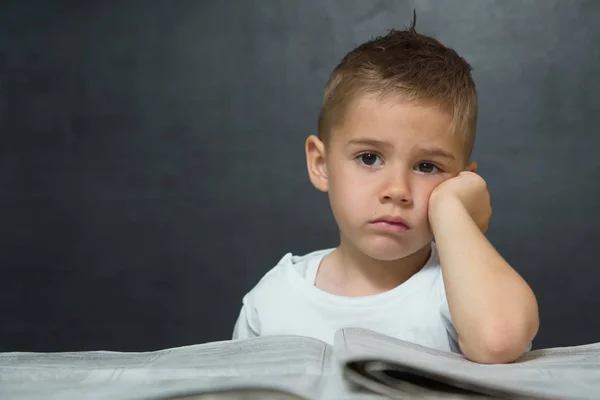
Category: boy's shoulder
[288,272]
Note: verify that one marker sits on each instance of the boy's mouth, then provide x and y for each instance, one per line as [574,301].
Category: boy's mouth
[390,223]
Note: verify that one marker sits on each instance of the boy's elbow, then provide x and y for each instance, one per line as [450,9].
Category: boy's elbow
[492,353]
[499,345]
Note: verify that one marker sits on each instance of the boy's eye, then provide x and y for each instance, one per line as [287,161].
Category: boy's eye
[369,159]
[427,167]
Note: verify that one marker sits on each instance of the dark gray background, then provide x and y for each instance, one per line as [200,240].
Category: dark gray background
[152,165]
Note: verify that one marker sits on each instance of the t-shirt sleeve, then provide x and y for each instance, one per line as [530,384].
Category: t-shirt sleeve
[449,324]
[247,325]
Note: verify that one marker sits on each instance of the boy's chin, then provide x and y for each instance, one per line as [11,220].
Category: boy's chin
[392,251]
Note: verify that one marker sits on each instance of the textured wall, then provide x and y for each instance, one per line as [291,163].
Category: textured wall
[152,165]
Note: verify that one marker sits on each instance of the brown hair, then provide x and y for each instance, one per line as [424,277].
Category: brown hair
[408,65]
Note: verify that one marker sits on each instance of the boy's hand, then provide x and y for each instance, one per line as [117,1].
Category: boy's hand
[467,189]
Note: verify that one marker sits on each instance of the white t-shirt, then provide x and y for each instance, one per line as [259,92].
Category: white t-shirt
[286,301]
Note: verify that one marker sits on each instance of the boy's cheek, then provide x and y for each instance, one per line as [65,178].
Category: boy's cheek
[442,178]
[435,185]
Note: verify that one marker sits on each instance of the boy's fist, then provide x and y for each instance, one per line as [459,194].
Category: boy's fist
[467,189]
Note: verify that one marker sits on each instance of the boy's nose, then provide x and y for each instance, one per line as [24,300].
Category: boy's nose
[397,190]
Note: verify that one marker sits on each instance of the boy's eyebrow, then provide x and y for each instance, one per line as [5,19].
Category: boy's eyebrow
[436,151]
[428,151]
[369,142]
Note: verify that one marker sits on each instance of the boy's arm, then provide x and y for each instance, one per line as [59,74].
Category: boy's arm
[493,309]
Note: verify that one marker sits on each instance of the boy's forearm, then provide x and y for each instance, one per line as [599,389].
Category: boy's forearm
[494,310]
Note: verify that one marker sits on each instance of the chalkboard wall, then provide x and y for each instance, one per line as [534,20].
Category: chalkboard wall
[152,165]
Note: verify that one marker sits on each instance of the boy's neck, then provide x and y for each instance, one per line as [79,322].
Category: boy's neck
[349,272]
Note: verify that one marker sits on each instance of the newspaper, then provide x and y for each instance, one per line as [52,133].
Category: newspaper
[286,364]
[361,365]
[558,373]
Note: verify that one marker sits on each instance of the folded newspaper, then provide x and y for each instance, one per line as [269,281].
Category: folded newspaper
[361,364]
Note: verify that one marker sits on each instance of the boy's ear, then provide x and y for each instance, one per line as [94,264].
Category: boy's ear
[315,162]
[472,167]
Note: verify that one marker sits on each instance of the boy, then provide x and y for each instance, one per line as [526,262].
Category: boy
[395,136]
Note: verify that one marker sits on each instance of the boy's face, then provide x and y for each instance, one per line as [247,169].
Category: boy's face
[383,162]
